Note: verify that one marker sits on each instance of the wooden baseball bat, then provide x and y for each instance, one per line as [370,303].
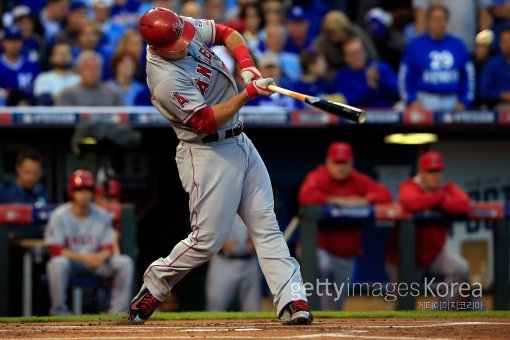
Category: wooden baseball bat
[342,110]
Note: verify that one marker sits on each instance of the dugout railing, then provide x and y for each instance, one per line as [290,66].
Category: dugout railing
[14,216]
[499,212]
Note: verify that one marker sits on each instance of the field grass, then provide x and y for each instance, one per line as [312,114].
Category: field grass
[260,315]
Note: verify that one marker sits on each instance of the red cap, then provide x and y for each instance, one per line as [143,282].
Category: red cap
[340,152]
[431,160]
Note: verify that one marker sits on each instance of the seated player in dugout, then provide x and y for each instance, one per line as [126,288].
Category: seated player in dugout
[428,191]
[79,237]
[337,182]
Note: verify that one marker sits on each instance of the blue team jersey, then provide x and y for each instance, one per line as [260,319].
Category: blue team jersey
[18,76]
[437,66]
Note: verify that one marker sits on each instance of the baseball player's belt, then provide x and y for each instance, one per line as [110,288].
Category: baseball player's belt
[214,137]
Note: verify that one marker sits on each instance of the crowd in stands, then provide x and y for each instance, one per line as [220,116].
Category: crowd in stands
[426,54]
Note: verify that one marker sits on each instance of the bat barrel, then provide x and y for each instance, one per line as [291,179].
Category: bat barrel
[342,110]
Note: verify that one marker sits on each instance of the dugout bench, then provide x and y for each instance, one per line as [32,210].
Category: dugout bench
[484,211]
[13,215]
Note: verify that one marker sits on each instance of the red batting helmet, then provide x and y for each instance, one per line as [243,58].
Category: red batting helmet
[164,29]
[80,179]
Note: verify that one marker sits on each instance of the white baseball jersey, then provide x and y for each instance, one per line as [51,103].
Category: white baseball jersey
[80,236]
[222,178]
[182,87]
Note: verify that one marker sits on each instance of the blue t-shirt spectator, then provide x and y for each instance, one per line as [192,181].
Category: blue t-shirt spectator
[17,72]
[495,79]
[298,28]
[19,75]
[439,67]
[354,86]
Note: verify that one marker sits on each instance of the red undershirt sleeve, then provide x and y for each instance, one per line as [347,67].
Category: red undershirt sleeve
[203,120]
[55,249]
[108,248]
[222,32]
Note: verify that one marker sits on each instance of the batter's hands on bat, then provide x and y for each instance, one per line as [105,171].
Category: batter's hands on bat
[259,87]
[249,72]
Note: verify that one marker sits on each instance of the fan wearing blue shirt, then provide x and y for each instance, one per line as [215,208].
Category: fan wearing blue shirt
[495,80]
[436,72]
[124,65]
[363,82]
[298,37]
[16,71]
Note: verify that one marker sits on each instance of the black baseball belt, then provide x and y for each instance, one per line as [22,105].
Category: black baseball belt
[214,137]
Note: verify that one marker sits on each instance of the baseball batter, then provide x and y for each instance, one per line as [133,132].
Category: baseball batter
[218,165]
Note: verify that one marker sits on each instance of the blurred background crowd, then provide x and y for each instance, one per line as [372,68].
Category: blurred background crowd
[359,52]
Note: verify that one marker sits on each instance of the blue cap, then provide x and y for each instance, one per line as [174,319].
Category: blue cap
[12,33]
[75,5]
[296,13]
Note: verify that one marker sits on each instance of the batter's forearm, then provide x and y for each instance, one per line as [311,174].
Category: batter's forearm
[223,112]
[233,40]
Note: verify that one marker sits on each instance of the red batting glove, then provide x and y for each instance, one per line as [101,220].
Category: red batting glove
[259,87]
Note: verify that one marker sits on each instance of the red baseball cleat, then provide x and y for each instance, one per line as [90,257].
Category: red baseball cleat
[296,313]
[142,306]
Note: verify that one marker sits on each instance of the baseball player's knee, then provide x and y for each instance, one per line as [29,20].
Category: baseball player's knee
[58,264]
[213,250]
[210,244]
